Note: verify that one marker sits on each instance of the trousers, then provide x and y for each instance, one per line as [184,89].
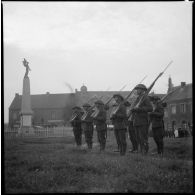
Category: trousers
[101,135]
[78,135]
[142,137]
[121,137]
[132,136]
[117,138]
[89,138]
[158,138]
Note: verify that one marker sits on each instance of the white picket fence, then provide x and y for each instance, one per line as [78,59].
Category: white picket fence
[44,132]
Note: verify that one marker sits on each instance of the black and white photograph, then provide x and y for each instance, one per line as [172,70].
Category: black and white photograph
[97,97]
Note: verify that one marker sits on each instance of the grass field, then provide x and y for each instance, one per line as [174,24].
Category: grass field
[36,165]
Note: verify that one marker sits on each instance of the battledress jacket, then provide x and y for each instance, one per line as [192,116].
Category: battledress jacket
[76,123]
[100,120]
[87,124]
[119,119]
[140,118]
[156,117]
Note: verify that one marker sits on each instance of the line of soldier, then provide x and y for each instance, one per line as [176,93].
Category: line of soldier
[136,121]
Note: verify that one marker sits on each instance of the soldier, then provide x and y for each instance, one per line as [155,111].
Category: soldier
[99,117]
[156,118]
[116,135]
[140,119]
[131,130]
[87,125]
[132,137]
[119,118]
[76,124]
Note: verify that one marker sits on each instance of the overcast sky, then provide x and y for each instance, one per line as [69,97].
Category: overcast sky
[100,44]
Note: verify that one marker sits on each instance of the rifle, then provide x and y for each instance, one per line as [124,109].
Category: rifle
[126,98]
[151,86]
[129,95]
[141,98]
[90,110]
[163,98]
[74,116]
[97,111]
[112,96]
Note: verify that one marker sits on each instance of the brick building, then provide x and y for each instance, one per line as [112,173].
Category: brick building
[178,113]
[56,109]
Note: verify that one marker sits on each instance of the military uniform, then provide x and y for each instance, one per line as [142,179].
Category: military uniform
[113,120]
[140,120]
[87,126]
[132,136]
[119,119]
[156,118]
[131,130]
[100,121]
[76,124]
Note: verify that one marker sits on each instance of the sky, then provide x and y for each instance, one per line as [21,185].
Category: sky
[99,44]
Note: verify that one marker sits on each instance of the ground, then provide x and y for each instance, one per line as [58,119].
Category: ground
[35,165]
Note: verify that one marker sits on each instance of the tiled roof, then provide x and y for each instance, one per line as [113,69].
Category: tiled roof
[180,93]
[45,101]
[67,99]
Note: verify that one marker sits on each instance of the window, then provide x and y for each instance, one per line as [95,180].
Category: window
[173,108]
[183,108]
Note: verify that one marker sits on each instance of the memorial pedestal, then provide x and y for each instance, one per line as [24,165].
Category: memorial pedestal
[26,111]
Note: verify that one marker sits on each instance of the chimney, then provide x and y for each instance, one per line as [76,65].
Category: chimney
[76,90]
[16,94]
[47,93]
[183,84]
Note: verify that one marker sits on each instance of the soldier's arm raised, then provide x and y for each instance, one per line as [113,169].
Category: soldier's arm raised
[159,112]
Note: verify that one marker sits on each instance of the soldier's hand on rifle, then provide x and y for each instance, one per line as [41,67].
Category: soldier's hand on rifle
[113,117]
[106,107]
[137,109]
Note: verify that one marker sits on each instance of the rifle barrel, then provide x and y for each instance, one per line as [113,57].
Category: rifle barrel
[164,97]
[122,87]
[143,79]
[167,66]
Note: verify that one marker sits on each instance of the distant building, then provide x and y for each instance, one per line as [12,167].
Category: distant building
[178,113]
[56,109]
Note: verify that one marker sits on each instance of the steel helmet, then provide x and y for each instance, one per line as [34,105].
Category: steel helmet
[99,102]
[118,95]
[86,105]
[141,86]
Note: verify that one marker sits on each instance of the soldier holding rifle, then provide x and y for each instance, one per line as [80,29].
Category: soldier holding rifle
[113,120]
[131,129]
[132,136]
[141,109]
[99,117]
[76,124]
[119,118]
[87,125]
[140,119]
[156,119]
